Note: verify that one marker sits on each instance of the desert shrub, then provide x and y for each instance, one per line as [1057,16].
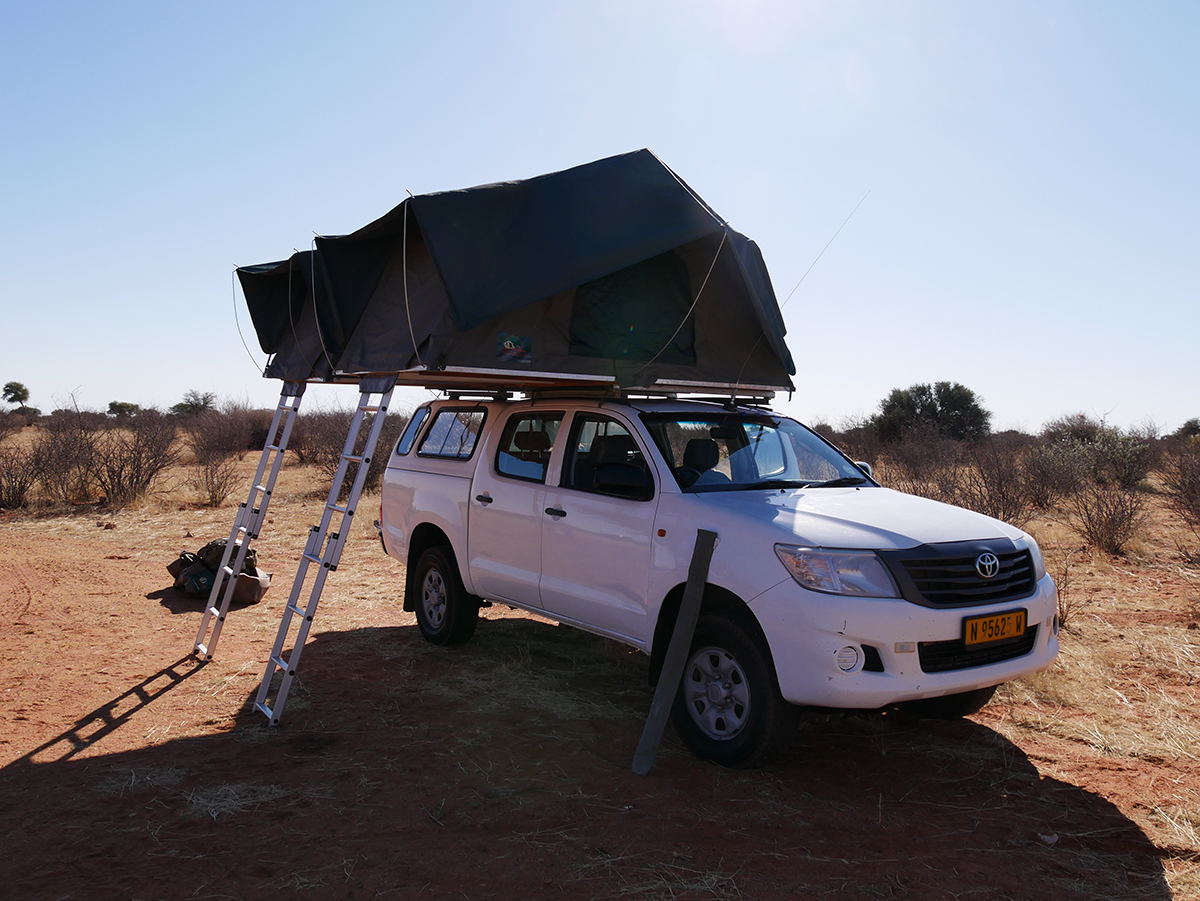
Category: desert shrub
[1183,492]
[993,481]
[217,441]
[64,457]
[323,435]
[64,418]
[1122,458]
[1054,471]
[216,434]
[258,424]
[1107,515]
[923,462]
[126,461]
[318,438]
[10,424]
[1077,428]
[858,441]
[18,474]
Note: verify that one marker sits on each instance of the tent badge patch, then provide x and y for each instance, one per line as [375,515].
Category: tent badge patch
[514,348]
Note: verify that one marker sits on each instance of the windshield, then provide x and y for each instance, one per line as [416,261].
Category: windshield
[737,451]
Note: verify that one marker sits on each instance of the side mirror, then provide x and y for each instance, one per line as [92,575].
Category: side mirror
[865,467]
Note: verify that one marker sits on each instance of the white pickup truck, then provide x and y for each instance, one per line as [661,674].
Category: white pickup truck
[825,589]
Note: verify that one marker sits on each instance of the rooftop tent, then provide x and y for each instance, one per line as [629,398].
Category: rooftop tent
[279,298]
[611,272]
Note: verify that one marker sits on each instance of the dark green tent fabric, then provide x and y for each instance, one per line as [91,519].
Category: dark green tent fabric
[612,269]
[506,245]
[281,308]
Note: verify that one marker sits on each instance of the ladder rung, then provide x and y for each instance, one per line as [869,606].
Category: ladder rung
[311,558]
[228,570]
[335,508]
[371,408]
[203,649]
[263,708]
[213,611]
[353,458]
[297,610]
[282,664]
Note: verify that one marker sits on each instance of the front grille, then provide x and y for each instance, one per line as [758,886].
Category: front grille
[945,656]
[953,581]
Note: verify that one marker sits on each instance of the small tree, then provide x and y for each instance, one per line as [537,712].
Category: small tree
[194,403]
[952,410]
[16,393]
[1189,429]
[119,409]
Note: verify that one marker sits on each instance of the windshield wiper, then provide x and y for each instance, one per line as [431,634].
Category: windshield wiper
[842,482]
[776,483]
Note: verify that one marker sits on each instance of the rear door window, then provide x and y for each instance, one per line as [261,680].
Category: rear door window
[525,445]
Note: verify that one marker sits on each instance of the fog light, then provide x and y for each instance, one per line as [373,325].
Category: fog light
[905,647]
[848,659]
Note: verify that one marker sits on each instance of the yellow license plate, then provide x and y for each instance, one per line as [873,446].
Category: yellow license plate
[997,627]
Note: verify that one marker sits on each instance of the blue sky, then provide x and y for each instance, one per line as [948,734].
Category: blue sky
[1032,228]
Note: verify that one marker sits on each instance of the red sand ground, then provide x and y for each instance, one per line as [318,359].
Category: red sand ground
[496,770]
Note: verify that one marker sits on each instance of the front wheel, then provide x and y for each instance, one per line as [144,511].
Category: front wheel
[728,708]
[950,707]
[446,614]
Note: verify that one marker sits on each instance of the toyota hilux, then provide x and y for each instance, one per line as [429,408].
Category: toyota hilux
[825,589]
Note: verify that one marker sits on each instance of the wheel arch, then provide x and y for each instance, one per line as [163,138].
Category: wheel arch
[716,600]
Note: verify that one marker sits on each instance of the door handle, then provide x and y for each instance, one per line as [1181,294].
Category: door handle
[483,499]
[556,513]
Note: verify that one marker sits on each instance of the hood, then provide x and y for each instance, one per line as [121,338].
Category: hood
[871,518]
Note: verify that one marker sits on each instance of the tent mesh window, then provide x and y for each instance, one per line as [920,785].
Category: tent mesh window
[632,314]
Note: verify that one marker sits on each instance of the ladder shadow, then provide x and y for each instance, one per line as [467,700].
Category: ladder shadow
[108,717]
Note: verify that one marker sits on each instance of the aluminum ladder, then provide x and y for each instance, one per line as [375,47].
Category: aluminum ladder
[248,521]
[324,547]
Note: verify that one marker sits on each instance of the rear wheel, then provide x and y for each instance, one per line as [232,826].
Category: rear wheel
[950,707]
[446,614]
[728,708]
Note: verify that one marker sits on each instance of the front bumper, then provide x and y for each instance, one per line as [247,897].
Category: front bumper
[809,634]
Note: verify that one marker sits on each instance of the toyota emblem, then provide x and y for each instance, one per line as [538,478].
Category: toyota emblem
[987,565]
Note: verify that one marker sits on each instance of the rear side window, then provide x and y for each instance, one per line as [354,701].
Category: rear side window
[404,445]
[454,434]
[525,445]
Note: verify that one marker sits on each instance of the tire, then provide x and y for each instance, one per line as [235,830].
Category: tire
[728,708]
[950,707]
[446,614]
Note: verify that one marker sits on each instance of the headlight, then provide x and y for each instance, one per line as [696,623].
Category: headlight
[1039,565]
[857,573]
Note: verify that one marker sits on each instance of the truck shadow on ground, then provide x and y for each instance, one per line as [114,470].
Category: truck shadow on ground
[501,769]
